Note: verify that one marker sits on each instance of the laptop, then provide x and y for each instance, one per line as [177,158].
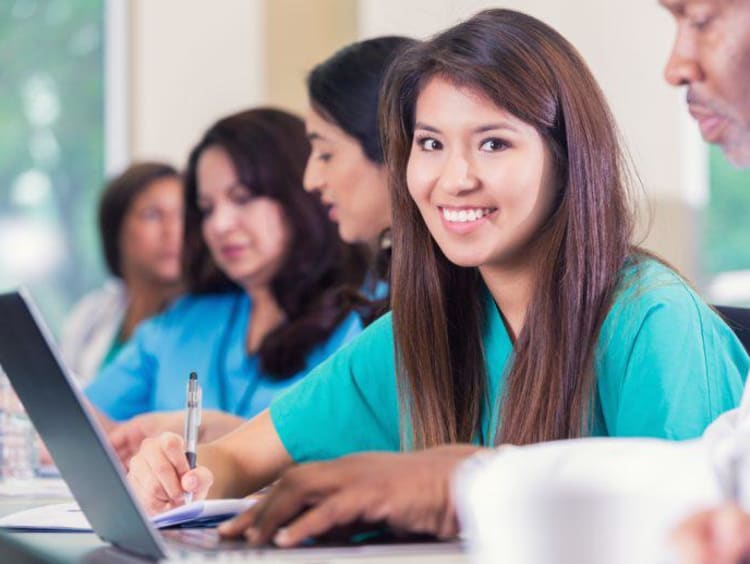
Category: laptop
[79,447]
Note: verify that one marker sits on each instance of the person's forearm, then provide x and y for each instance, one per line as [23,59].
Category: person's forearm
[245,460]
[216,424]
[223,465]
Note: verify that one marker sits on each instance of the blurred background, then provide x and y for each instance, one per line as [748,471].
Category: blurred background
[87,86]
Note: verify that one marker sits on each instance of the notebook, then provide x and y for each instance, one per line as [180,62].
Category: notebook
[69,517]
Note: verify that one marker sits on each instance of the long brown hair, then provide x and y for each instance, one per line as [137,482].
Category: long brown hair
[345,90]
[317,282]
[531,71]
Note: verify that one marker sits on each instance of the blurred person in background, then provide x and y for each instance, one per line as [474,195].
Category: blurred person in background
[140,227]
[267,281]
[346,163]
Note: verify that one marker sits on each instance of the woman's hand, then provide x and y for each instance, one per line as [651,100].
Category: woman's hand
[408,492]
[126,438]
[161,476]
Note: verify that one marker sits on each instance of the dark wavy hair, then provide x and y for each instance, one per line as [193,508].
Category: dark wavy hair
[115,203]
[527,68]
[345,90]
[269,149]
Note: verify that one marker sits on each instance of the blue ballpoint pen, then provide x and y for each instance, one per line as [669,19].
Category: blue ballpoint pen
[192,424]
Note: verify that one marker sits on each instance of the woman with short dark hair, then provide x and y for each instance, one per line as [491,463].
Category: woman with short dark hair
[140,227]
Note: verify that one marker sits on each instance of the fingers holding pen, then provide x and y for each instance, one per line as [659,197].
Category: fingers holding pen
[197,481]
[166,464]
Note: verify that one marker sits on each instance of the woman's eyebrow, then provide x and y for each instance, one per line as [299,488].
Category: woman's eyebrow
[479,129]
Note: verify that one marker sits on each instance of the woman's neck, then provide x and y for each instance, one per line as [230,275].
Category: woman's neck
[266,315]
[511,288]
[145,299]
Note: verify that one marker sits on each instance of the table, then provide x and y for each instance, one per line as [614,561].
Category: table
[66,547]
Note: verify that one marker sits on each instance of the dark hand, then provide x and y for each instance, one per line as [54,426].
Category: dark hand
[408,492]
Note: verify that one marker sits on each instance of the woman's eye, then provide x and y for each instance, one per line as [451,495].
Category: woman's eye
[204,210]
[325,157]
[700,24]
[242,200]
[700,19]
[240,197]
[492,145]
[150,214]
[429,144]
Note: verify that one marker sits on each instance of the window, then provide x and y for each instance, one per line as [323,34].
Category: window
[51,148]
[726,240]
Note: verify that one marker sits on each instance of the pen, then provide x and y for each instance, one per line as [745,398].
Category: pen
[192,424]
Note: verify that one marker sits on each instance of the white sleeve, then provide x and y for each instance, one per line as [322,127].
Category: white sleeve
[728,442]
[686,476]
[630,490]
[665,480]
[619,464]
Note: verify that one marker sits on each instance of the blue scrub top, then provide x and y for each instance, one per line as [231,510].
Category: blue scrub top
[204,334]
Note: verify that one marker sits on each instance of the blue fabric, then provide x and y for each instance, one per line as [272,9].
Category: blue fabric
[205,334]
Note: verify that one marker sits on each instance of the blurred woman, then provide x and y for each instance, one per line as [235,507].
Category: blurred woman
[346,162]
[140,227]
[264,269]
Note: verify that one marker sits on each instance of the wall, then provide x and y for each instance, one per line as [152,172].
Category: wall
[191,62]
[300,34]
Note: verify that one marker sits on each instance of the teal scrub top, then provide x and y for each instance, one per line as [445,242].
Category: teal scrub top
[666,366]
[205,334]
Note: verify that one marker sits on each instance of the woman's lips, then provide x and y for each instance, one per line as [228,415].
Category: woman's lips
[232,251]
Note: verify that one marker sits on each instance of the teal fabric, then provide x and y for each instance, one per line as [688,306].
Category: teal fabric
[205,334]
[666,366]
[114,349]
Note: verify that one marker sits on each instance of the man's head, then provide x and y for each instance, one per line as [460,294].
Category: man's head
[711,57]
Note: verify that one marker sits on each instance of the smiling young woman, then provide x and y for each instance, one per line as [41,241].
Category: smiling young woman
[521,311]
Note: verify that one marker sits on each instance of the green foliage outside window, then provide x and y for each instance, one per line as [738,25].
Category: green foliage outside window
[51,147]
[726,243]
[726,240]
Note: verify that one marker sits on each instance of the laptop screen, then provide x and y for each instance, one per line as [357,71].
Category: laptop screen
[76,442]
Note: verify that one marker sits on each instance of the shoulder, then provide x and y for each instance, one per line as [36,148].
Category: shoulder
[657,307]
[112,295]
[346,330]
[651,291]
[379,334]
[373,343]
[105,305]
[197,314]
[202,306]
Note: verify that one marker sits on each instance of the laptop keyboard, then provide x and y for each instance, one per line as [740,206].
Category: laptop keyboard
[205,545]
[190,541]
